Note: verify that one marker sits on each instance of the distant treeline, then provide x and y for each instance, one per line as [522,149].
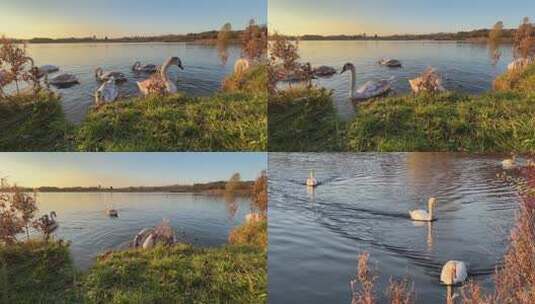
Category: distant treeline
[209,36]
[480,35]
[243,187]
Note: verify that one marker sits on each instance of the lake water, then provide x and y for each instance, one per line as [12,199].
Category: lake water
[465,67]
[200,220]
[202,74]
[316,236]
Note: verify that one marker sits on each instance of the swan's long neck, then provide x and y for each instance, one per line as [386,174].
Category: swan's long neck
[430,212]
[163,71]
[353,81]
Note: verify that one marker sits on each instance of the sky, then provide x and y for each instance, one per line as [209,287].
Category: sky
[127,169]
[386,17]
[118,18]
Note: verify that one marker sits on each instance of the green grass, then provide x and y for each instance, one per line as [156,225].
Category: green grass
[304,120]
[223,122]
[520,80]
[252,234]
[179,274]
[34,123]
[37,272]
[494,122]
[252,81]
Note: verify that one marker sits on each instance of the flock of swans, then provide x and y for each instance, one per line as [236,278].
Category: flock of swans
[453,272]
[108,91]
[372,88]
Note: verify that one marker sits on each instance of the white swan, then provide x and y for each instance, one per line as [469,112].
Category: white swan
[100,75]
[509,163]
[453,273]
[311,180]
[148,68]
[241,66]
[520,63]
[423,215]
[107,92]
[370,89]
[170,87]
[428,81]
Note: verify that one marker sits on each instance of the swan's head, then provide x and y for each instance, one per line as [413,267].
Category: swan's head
[98,72]
[177,62]
[347,67]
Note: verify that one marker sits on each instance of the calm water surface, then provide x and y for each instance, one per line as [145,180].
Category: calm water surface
[465,67]
[202,74]
[362,205]
[201,220]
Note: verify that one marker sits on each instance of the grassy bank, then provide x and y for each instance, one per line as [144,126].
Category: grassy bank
[33,123]
[252,234]
[179,274]
[498,121]
[37,272]
[517,80]
[224,122]
[303,120]
[232,120]
[494,122]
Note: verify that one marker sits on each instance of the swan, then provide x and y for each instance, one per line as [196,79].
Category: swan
[148,238]
[105,76]
[509,163]
[453,273]
[241,66]
[391,63]
[64,80]
[107,92]
[49,222]
[148,68]
[46,69]
[428,81]
[311,180]
[170,87]
[520,63]
[324,71]
[423,215]
[113,212]
[370,89]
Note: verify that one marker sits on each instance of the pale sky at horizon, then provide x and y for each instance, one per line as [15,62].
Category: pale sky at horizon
[127,169]
[386,17]
[117,18]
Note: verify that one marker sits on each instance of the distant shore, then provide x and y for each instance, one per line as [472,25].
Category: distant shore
[213,188]
[209,37]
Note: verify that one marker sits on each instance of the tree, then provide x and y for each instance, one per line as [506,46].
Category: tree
[260,193]
[223,40]
[26,206]
[495,39]
[524,40]
[254,41]
[285,52]
[14,60]
[233,183]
